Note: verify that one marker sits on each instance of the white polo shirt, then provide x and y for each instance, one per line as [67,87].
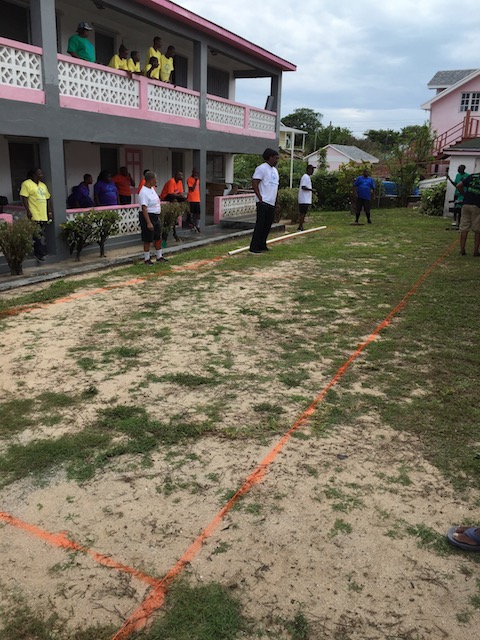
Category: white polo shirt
[269,181]
[148,197]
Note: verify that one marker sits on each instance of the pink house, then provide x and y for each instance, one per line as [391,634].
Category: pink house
[455,108]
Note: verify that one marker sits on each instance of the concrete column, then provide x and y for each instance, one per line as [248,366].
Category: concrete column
[276,92]
[200,57]
[53,166]
[44,34]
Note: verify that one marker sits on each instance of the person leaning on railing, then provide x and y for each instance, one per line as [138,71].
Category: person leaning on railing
[79,46]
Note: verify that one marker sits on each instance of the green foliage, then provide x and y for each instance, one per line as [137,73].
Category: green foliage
[88,227]
[106,223]
[306,120]
[243,167]
[78,233]
[409,160]
[432,200]
[170,212]
[299,168]
[16,242]
[288,202]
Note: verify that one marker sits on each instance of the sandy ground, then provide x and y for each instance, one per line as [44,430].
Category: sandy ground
[323,533]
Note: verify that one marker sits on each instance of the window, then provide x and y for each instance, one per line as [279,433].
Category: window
[470,101]
[15,23]
[218,82]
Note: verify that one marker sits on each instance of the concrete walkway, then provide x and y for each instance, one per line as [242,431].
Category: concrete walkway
[35,272]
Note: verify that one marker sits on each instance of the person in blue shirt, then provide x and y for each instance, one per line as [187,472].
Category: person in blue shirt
[364,191]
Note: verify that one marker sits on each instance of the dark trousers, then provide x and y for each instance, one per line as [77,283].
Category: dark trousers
[125,199]
[265,217]
[39,244]
[362,203]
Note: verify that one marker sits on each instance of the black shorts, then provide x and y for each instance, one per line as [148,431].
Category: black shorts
[149,235]
[303,208]
[195,208]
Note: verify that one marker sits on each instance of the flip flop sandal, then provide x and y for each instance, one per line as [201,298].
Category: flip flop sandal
[470,533]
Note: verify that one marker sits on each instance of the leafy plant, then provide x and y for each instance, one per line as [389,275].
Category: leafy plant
[170,213]
[88,227]
[16,242]
[432,200]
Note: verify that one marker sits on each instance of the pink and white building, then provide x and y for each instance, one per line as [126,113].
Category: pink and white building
[73,117]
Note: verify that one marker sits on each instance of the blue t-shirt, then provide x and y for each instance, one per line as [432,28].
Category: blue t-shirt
[364,187]
[106,193]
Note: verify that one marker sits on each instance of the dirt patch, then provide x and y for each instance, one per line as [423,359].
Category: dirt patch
[333,529]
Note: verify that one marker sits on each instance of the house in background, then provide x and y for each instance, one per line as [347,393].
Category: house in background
[337,154]
[454,111]
[292,139]
[73,117]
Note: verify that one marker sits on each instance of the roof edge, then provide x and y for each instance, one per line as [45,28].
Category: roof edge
[177,12]
[445,92]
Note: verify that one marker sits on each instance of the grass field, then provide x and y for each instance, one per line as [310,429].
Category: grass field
[135,404]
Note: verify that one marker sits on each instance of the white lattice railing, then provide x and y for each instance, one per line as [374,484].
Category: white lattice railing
[262,120]
[173,102]
[225,113]
[234,207]
[20,65]
[129,222]
[99,84]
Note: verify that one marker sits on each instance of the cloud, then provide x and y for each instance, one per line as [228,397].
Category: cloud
[356,57]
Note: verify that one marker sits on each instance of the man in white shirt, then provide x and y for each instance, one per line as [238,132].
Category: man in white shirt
[304,196]
[149,216]
[265,181]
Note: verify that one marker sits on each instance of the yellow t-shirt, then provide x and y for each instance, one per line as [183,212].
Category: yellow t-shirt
[118,63]
[37,195]
[133,67]
[167,68]
[155,73]
[152,53]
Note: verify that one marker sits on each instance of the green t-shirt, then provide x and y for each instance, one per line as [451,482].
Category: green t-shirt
[82,47]
[458,178]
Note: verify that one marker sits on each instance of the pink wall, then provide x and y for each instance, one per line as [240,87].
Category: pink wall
[445,112]
[335,159]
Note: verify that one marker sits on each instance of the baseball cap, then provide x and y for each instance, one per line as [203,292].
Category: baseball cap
[84,25]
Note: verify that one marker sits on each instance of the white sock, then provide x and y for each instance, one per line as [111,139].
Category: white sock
[146,255]
[159,253]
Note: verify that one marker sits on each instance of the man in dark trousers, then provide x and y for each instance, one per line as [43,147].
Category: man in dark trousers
[470,219]
[364,187]
[265,183]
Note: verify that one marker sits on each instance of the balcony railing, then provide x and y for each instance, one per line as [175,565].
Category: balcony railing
[236,207]
[467,129]
[92,87]
[21,72]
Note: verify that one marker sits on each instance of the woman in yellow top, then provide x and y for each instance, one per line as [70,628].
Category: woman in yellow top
[120,60]
[36,201]
[153,52]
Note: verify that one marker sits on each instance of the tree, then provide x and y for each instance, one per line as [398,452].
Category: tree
[409,159]
[306,120]
[382,140]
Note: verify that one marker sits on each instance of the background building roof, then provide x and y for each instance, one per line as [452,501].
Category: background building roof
[443,79]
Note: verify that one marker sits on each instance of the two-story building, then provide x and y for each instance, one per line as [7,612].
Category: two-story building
[73,117]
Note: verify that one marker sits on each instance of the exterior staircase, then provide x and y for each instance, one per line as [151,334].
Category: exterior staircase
[466,130]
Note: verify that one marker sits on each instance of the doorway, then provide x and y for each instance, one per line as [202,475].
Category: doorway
[23,157]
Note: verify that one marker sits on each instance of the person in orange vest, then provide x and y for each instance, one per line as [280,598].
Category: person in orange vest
[173,190]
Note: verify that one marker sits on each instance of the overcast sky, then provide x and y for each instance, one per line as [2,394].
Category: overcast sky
[363,64]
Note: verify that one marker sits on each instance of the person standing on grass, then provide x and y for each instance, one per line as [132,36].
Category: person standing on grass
[470,219]
[265,181]
[36,201]
[304,196]
[149,217]
[364,187]
[457,196]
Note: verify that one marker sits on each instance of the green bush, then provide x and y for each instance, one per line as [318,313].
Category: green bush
[170,213]
[88,227]
[288,203]
[16,242]
[432,200]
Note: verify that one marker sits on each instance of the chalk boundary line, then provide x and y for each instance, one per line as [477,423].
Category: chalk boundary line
[156,597]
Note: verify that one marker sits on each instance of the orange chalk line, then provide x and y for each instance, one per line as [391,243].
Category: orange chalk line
[15,311]
[61,541]
[156,597]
